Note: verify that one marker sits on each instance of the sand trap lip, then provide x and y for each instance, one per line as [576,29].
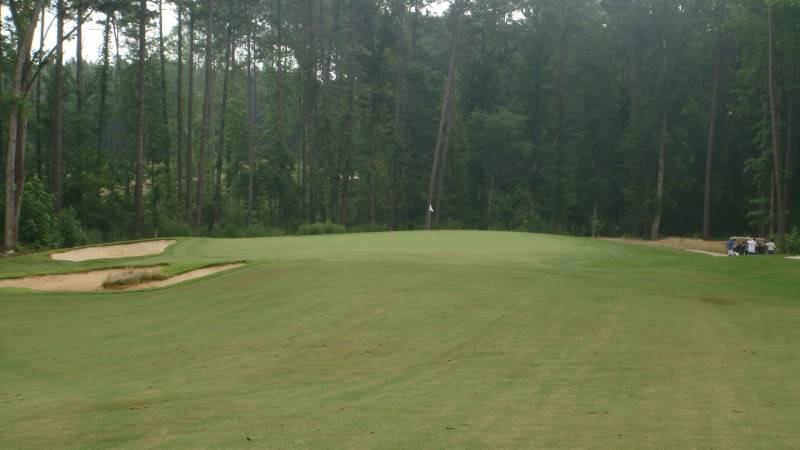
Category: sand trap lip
[193,275]
[796,258]
[703,252]
[93,281]
[147,248]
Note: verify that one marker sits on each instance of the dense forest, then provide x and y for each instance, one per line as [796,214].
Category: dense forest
[258,117]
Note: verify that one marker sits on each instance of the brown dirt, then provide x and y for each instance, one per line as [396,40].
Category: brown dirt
[147,248]
[698,245]
[93,281]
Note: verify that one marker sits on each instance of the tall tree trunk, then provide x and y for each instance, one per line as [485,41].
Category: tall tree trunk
[221,132]
[138,189]
[179,119]
[347,177]
[561,121]
[309,71]
[57,107]
[20,90]
[280,112]
[788,161]
[80,10]
[9,225]
[662,162]
[440,136]
[163,61]
[445,151]
[19,170]
[101,112]
[777,161]
[190,117]
[788,164]
[39,137]
[251,126]
[118,111]
[399,147]
[205,129]
[712,139]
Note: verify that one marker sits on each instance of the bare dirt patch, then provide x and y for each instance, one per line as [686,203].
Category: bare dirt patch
[105,280]
[137,249]
[713,248]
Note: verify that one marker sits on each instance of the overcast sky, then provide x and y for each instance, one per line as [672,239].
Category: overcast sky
[93,31]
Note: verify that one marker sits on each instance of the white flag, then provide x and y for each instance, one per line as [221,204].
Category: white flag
[430,208]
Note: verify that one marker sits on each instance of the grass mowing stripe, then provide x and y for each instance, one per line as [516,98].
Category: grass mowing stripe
[412,340]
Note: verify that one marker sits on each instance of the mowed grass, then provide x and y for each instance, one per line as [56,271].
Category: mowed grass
[411,340]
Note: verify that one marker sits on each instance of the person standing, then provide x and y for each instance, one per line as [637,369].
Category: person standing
[751,247]
[771,248]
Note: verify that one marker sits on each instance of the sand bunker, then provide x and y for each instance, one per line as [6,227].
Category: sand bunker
[147,248]
[94,281]
[796,258]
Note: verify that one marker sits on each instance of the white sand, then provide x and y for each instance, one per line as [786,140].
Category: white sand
[73,282]
[147,248]
[93,281]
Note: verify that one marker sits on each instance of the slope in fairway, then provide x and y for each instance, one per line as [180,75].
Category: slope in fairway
[411,340]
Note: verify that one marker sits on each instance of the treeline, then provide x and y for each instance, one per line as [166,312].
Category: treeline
[253,117]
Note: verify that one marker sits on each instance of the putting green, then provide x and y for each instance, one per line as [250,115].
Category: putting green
[410,340]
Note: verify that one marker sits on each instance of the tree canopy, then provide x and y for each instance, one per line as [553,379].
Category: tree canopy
[254,117]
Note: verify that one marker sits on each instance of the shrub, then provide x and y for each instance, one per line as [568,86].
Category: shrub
[37,224]
[70,230]
[174,227]
[233,230]
[320,228]
[793,242]
[368,228]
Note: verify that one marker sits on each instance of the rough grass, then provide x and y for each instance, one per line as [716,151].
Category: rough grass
[131,277]
[678,243]
[412,340]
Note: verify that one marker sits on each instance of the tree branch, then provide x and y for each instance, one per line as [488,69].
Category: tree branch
[44,59]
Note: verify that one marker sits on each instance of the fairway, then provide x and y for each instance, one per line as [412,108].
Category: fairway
[409,340]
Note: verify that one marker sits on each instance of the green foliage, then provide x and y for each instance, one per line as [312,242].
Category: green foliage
[234,230]
[368,228]
[320,228]
[557,114]
[41,229]
[69,229]
[37,227]
[793,242]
